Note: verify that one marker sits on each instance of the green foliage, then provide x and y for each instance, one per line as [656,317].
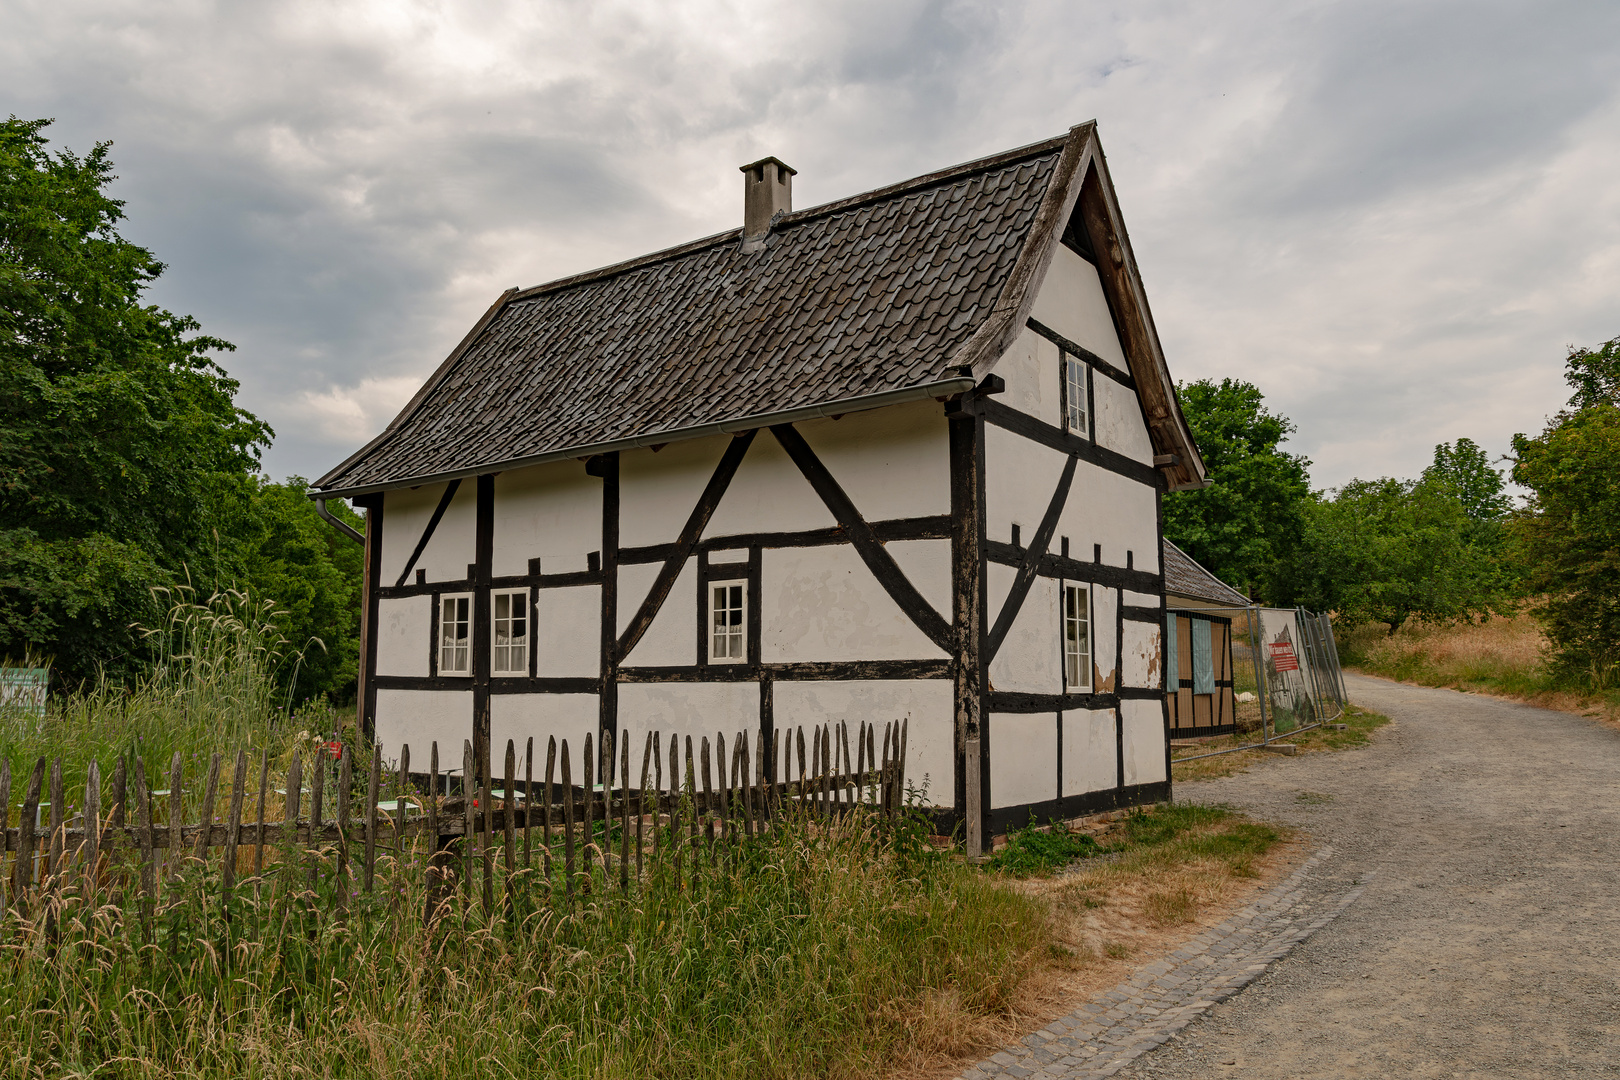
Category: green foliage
[1568,535]
[284,551]
[216,685]
[1154,836]
[1389,550]
[1594,375]
[1251,513]
[121,446]
[1039,852]
[1465,470]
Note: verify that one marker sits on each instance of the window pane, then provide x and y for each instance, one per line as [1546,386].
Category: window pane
[503,605]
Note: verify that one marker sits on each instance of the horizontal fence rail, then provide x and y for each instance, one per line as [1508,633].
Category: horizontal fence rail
[321,836]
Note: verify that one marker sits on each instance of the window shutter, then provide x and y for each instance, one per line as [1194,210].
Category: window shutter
[1203,658]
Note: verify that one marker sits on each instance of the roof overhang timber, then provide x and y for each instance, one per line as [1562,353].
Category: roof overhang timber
[941,390]
[1081,182]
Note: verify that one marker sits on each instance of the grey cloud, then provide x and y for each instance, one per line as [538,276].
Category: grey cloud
[1389,216]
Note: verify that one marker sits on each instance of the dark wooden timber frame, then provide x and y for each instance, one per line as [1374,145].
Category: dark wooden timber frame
[968,635]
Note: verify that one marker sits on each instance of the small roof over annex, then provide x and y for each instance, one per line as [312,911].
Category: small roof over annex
[1188,585]
[910,291]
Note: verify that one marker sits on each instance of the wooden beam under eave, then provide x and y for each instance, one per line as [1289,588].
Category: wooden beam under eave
[1121,288]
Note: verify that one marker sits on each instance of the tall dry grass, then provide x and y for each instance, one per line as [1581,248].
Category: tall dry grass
[811,951]
[1504,655]
[216,685]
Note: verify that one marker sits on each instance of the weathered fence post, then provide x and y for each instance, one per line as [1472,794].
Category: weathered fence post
[143,834]
[509,849]
[345,787]
[624,815]
[568,821]
[545,821]
[587,837]
[25,837]
[373,794]
[232,831]
[177,818]
[92,831]
[317,822]
[641,805]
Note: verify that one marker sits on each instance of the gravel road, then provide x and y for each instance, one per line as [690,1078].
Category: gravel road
[1487,942]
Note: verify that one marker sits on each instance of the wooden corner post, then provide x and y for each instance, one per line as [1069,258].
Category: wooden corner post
[967,618]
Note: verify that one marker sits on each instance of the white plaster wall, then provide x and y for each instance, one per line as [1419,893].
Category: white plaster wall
[1143,660]
[1029,659]
[657,491]
[1020,477]
[1090,761]
[1144,741]
[925,704]
[635,581]
[1120,426]
[1104,639]
[768,494]
[406,513]
[892,463]
[1031,370]
[695,709]
[1142,599]
[418,717]
[927,565]
[550,512]
[672,637]
[1071,302]
[567,632]
[823,603]
[1023,758]
[520,717]
[404,635]
[1114,511]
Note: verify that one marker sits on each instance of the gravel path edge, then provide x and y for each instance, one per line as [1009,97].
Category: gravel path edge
[1159,999]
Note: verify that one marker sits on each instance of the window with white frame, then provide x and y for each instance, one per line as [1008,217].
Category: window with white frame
[1074,395]
[728,623]
[1076,637]
[510,611]
[455,635]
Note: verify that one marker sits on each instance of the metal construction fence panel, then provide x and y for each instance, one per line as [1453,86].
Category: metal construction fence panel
[1291,660]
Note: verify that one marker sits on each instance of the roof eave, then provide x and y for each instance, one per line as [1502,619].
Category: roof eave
[940,390]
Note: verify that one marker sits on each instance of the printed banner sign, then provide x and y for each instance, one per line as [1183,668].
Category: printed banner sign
[1282,656]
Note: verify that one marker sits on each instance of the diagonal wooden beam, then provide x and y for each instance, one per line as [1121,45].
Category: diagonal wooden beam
[686,543]
[427,533]
[1031,564]
[872,552]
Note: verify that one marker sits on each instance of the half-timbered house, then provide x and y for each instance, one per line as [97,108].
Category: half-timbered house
[896,456]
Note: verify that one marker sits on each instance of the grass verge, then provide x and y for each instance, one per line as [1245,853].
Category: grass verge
[1359,725]
[1145,882]
[809,952]
[1502,656]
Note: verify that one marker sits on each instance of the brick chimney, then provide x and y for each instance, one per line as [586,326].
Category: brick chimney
[767,191]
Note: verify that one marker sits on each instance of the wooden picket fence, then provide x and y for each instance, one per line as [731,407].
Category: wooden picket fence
[138,842]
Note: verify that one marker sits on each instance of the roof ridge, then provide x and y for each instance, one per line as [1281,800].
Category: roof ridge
[800,217]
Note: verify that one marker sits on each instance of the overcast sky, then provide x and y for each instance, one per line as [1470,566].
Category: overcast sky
[1392,217]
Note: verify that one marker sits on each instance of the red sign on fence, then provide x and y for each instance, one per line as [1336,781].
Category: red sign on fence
[1282,656]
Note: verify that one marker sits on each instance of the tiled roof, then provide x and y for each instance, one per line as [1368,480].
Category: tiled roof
[1184,577]
[870,294]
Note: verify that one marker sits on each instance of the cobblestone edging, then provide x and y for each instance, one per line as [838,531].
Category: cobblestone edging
[1104,1035]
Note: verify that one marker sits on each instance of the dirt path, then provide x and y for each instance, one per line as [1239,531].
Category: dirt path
[1487,940]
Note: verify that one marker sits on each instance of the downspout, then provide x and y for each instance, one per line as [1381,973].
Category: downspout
[337,523]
